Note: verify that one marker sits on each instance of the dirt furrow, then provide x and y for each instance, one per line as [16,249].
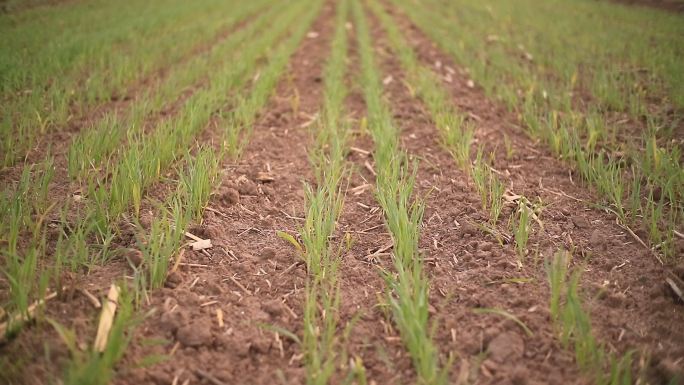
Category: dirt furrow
[618,272]
[217,314]
[361,285]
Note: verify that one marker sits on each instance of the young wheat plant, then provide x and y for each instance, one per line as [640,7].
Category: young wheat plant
[408,287]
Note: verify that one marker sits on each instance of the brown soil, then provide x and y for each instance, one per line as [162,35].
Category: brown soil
[5,7]
[254,278]
[668,5]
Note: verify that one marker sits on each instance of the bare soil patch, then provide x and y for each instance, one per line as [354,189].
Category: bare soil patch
[668,5]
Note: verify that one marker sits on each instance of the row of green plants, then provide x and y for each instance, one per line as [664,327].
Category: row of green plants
[51,81]
[195,184]
[322,343]
[323,202]
[571,321]
[550,82]
[109,194]
[89,237]
[163,240]
[622,56]
[97,144]
[407,286]
[456,132]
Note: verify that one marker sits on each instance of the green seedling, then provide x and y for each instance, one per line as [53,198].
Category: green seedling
[163,242]
[522,228]
[573,324]
[490,188]
[323,353]
[51,59]
[407,285]
[456,132]
[197,181]
[508,146]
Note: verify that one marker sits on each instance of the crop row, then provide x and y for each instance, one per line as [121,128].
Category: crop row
[221,107]
[98,143]
[140,164]
[573,94]
[321,342]
[407,286]
[55,76]
[571,321]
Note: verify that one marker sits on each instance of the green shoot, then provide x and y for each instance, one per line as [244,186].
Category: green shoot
[490,188]
[408,287]
[574,326]
[522,228]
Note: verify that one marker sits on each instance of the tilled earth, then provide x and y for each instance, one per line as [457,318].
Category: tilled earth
[209,320]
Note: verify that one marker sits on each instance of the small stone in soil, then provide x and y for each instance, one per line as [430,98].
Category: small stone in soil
[238,346]
[491,332]
[173,280]
[224,375]
[172,321]
[580,222]
[229,196]
[616,299]
[520,375]
[483,254]
[506,346]
[268,190]
[248,188]
[158,376]
[187,298]
[467,228]
[597,240]
[134,257]
[197,333]
[273,307]
[214,289]
[262,345]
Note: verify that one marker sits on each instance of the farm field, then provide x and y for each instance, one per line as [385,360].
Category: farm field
[341,192]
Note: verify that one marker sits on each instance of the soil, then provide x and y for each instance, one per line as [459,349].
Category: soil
[216,317]
[668,5]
